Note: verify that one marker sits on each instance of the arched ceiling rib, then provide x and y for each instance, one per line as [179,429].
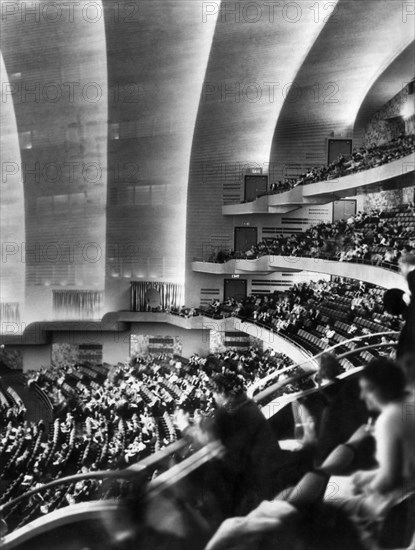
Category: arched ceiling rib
[393,79]
[356,45]
[12,215]
[250,69]
[160,57]
[58,71]
[192,84]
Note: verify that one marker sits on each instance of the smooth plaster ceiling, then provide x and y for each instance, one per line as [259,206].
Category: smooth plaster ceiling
[186,63]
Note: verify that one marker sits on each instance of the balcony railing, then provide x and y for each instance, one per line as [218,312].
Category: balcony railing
[187,461]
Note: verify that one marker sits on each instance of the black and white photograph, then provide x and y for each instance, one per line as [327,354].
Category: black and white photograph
[207,275]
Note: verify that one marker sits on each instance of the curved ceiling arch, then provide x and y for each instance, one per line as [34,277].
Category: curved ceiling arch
[58,70]
[254,59]
[391,81]
[12,210]
[156,67]
[357,43]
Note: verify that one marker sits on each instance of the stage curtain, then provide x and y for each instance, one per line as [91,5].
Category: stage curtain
[171,294]
[77,304]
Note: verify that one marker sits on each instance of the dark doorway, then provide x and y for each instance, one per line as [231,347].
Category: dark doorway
[235,288]
[245,237]
[338,147]
[255,186]
[342,210]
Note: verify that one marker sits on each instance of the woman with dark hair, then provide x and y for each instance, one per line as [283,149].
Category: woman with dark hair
[383,389]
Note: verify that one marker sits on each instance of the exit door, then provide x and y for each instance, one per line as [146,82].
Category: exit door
[342,210]
[245,237]
[338,147]
[235,288]
[255,186]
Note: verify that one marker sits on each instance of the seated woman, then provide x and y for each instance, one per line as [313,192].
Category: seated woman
[383,388]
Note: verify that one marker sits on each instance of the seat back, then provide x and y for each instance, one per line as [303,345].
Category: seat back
[398,528]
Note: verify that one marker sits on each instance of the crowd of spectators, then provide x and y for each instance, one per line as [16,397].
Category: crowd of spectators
[373,504]
[377,237]
[362,158]
[283,185]
[318,314]
[112,416]
[108,417]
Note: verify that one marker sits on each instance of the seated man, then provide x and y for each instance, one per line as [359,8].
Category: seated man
[383,388]
[249,472]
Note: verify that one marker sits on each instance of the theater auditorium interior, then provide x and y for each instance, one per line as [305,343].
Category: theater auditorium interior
[207,275]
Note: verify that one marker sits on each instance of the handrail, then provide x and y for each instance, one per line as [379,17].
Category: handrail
[155,458]
[366,348]
[181,470]
[127,473]
[202,313]
[166,479]
[262,395]
[174,474]
[315,357]
[266,379]
[58,518]
[278,385]
[283,335]
[355,339]
[68,480]
[285,399]
[155,487]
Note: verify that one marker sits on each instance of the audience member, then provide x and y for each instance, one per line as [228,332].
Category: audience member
[363,158]
[383,388]
[406,344]
[376,237]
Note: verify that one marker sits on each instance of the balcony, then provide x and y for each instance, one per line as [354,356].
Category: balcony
[395,175]
[376,275]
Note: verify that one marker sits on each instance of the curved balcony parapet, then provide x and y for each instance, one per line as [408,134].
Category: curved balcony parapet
[398,172]
[374,274]
[69,515]
[282,344]
[80,513]
[270,407]
[393,175]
